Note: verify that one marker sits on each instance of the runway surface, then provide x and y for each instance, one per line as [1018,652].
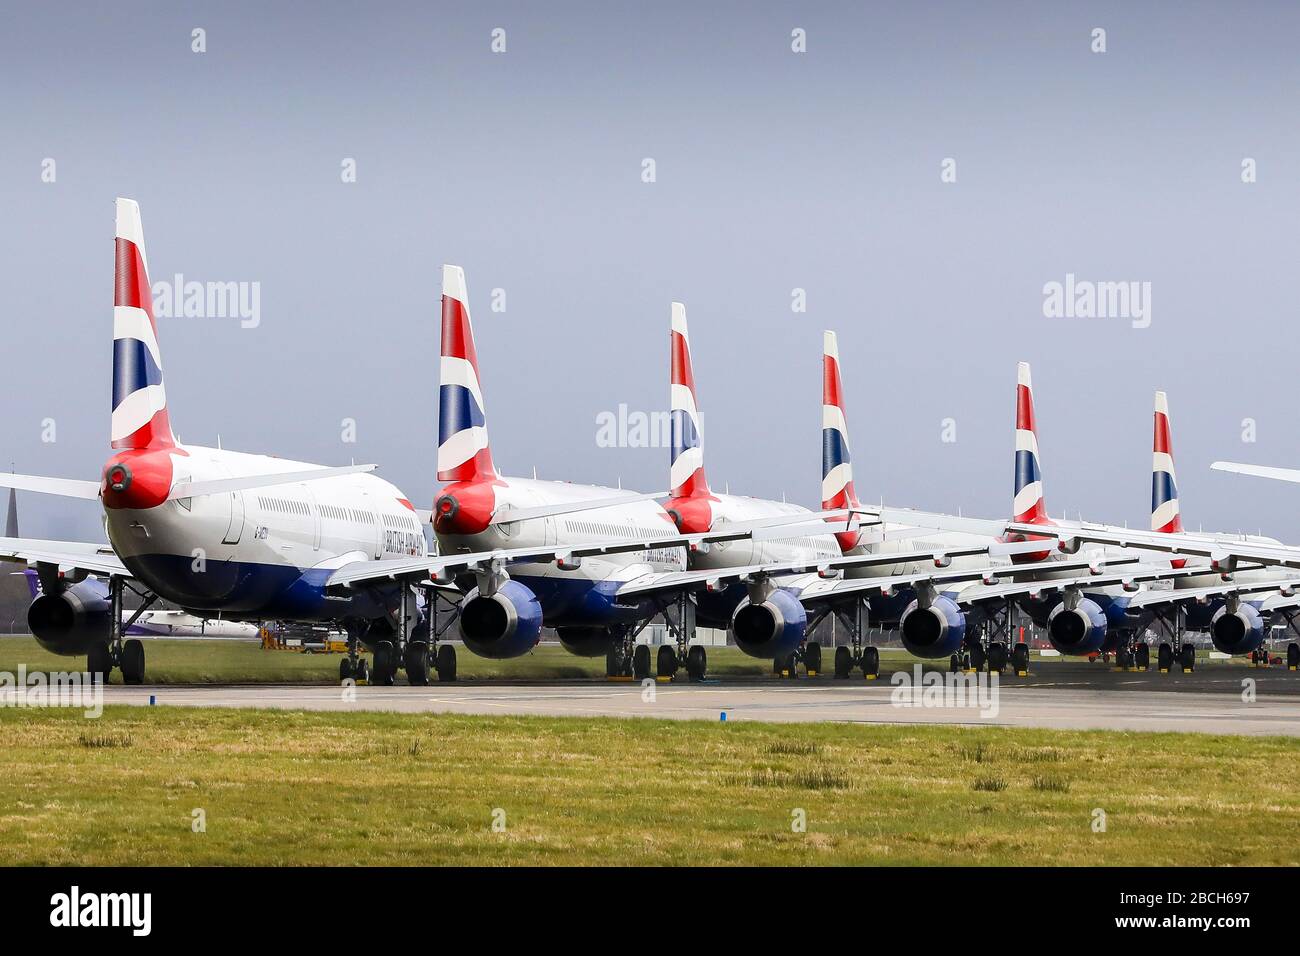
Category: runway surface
[1114,701]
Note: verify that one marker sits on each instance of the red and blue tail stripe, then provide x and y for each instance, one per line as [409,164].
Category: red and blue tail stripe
[463,451]
[837,463]
[686,465]
[140,418]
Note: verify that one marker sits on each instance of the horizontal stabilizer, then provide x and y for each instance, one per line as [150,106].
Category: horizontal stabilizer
[65,487]
[1259,471]
[571,507]
[218,486]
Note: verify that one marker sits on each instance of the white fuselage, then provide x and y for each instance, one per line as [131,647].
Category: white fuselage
[262,552]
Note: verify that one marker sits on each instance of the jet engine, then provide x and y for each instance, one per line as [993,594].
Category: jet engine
[772,628]
[506,623]
[72,620]
[934,631]
[585,641]
[1237,632]
[1077,630]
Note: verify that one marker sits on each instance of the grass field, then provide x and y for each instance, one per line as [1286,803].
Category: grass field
[372,788]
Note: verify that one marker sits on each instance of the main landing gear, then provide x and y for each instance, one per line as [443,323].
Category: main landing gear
[856,654]
[125,654]
[992,647]
[625,659]
[1177,651]
[1132,654]
[680,620]
[413,649]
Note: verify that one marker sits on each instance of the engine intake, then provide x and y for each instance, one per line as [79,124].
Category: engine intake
[771,629]
[1237,632]
[934,631]
[70,622]
[507,623]
[1078,630]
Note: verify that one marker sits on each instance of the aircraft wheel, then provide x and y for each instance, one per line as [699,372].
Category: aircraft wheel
[641,662]
[954,664]
[843,663]
[132,662]
[977,656]
[666,662]
[871,661]
[385,667]
[1122,658]
[345,669]
[99,662]
[1165,657]
[1187,658]
[614,661]
[1020,658]
[445,663]
[417,664]
[697,662]
[1142,657]
[812,658]
[1293,655]
[997,657]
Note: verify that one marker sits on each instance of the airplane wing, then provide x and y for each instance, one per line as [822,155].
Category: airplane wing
[1259,471]
[1128,577]
[1151,598]
[67,556]
[415,569]
[1224,554]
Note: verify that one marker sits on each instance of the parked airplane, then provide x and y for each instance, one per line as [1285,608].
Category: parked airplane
[523,553]
[773,599]
[213,531]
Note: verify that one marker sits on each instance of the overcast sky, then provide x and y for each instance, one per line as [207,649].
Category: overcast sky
[774,171]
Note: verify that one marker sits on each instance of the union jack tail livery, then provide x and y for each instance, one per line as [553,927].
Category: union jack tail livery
[1164,487]
[139,402]
[1028,505]
[463,452]
[837,466]
[686,472]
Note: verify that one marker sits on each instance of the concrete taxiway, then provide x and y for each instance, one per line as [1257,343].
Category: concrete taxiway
[1124,702]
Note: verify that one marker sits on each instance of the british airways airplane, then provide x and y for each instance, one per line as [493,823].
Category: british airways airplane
[214,531]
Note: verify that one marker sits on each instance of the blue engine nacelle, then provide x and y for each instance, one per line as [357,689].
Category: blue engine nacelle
[1078,630]
[1237,632]
[505,624]
[771,629]
[71,621]
[934,631]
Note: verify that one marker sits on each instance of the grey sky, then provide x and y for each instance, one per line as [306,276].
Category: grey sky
[774,171]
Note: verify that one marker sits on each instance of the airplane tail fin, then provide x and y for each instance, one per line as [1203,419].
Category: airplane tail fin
[1165,514]
[1027,506]
[686,470]
[837,465]
[140,418]
[463,451]
[11,519]
[33,583]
